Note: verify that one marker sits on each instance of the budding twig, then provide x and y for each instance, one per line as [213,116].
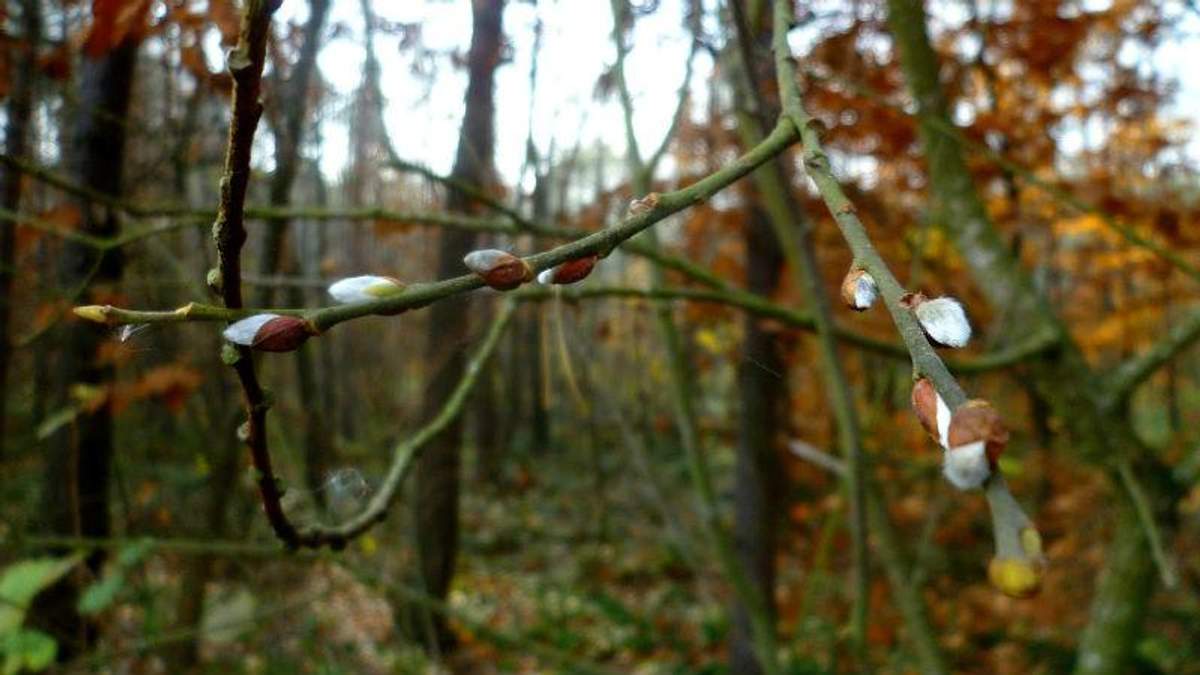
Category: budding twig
[229,231]
[1011,523]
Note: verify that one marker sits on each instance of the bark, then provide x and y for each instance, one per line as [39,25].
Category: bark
[1064,379]
[79,457]
[20,105]
[1122,596]
[757,485]
[438,469]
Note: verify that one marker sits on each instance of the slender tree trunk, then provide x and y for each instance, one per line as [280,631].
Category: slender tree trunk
[289,137]
[317,437]
[533,343]
[79,457]
[20,106]
[761,389]
[438,469]
[1065,379]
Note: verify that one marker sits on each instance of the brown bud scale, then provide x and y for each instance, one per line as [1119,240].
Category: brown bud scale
[976,420]
[282,334]
[574,270]
[924,403]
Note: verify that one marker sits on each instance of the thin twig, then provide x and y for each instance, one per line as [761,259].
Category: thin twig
[246,65]
[744,300]
[1010,523]
[407,452]
[598,243]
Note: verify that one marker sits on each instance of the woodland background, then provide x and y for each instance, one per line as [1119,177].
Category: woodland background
[649,467]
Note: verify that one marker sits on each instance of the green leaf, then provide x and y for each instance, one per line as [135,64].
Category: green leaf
[98,596]
[57,420]
[21,581]
[133,553]
[27,650]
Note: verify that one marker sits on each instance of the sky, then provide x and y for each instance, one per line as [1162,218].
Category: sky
[577,47]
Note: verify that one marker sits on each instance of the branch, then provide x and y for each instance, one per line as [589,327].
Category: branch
[651,162]
[190,217]
[1013,530]
[1126,377]
[229,231]
[408,451]
[817,456]
[198,312]
[421,294]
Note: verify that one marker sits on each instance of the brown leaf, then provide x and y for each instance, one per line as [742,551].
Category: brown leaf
[114,21]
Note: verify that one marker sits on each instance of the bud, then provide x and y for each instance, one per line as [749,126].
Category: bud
[976,438]
[569,272]
[501,270]
[943,319]
[97,313]
[270,332]
[1015,577]
[975,421]
[932,411]
[859,290]
[966,466]
[643,205]
[364,288]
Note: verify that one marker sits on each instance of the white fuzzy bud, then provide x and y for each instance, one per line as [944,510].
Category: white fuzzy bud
[967,466]
[501,270]
[944,321]
[943,422]
[859,290]
[364,288]
[242,332]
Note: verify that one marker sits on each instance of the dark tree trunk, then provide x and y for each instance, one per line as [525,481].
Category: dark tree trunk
[317,436]
[438,469]
[79,457]
[757,479]
[289,136]
[20,105]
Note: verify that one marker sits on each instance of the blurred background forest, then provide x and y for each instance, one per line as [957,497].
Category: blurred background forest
[696,460]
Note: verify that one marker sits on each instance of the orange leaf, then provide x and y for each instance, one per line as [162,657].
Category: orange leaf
[114,21]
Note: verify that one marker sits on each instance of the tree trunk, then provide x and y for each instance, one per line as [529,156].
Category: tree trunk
[317,437]
[79,456]
[757,475]
[289,136]
[437,472]
[20,105]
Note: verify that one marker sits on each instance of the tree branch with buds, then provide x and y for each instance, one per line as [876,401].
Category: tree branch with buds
[600,243]
[1016,567]
[229,231]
